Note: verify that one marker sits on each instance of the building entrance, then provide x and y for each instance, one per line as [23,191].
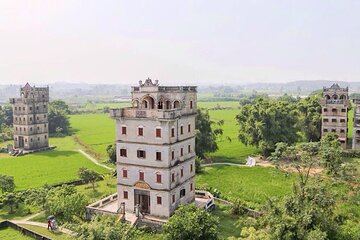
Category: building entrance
[143,199]
[21,142]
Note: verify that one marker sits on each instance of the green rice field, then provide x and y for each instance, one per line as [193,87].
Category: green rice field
[49,167]
[250,184]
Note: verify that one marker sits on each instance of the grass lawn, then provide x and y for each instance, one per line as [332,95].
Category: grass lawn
[55,235]
[227,224]
[11,234]
[350,123]
[253,185]
[234,151]
[95,130]
[49,167]
[21,212]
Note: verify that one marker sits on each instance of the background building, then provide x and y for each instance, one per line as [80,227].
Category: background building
[335,105]
[30,113]
[356,127]
[156,148]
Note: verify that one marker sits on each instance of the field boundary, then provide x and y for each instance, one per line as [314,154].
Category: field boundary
[94,160]
[23,230]
[87,147]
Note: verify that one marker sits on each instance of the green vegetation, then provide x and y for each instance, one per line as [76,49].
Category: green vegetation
[95,130]
[55,235]
[234,151]
[11,234]
[21,212]
[350,123]
[49,167]
[227,226]
[252,185]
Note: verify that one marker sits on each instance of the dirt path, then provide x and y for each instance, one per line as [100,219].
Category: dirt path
[94,160]
[32,216]
[43,225]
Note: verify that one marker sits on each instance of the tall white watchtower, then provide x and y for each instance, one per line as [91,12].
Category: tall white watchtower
[155,141]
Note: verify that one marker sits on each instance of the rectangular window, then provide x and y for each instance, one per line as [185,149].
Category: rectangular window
[173,198]
[342,120]
[182,130]
[123,130]
[189,127]
[181,172]
[343,110]
[45,137]
[189,148]
[326,120]
[182,152]
[123,152]
[191,167]
[325,110]
[325,130]
[141,154]
[125,173]
[334,110]
[141,176]
[333,130]
[173,177]
[158,178]
[126,195]
[158,200]
[172,132]
[182,193]
[191,186]
[191,104]
[158,133]
[141,131]
[342,130]
[172,155]
[158,156]
[333,120]
[30,108]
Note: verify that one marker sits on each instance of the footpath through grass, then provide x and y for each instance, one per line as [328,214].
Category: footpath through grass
[95,130]
[49,167]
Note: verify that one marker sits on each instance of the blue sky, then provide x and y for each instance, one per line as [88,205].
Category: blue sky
[179,42]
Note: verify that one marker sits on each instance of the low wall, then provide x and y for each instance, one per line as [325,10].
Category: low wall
[23,230]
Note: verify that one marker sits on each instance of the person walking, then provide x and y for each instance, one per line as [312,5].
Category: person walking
[49,224]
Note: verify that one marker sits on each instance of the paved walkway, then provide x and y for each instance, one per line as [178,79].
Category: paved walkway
[43,225]
[94,160]
[32,216]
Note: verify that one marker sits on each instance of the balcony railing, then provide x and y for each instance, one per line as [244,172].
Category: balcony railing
[149,113]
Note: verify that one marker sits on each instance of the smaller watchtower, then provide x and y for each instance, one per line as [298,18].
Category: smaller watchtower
[335,104]
[30,112]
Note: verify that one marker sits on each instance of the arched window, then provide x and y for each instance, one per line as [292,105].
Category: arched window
[176,104]
[168,104]
[148,102]
[335,97]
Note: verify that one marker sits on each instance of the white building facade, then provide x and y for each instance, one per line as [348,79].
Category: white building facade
[155,140]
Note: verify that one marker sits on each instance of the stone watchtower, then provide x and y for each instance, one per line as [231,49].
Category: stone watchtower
[156,148]
[30,113]
[356,127]
[335,104]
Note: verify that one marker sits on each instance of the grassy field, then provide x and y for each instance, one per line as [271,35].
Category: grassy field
[12,234]
[95,130]
[350,123]
[234,151]
[55,235]
[98,131]
[253,185]
[50,167]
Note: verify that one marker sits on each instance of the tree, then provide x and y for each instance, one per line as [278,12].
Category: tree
[266,123]
[65,203]
[111,151]
[191,222]
[58,118]
[330,154]
[205,137]
[308,212]
[11,200]
[310,117]
[89,176]
[7,183]
[36,197]
[105,227]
